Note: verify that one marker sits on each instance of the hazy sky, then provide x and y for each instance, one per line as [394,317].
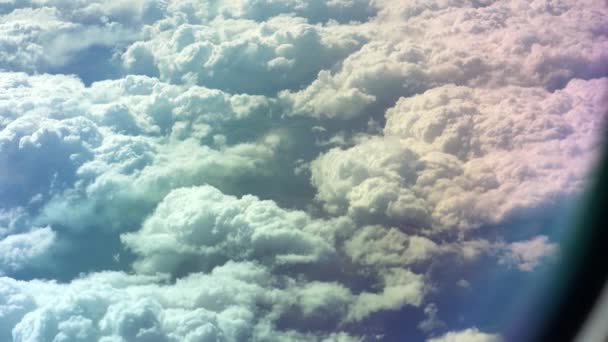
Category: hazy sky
[289,170]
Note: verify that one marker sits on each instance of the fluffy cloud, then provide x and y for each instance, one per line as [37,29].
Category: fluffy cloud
[134,105]
[431,322]
[140,181]
[367,81]
[527,255]
[234,302]
[279,170]
[116,306]
[401,288]
[46,38]
[315,10]
[380,247]
[474,43]
[462,157]
[241,55]
[471,334]
[362,182]
[200,228]
[18,251]
[197,229]
[96,160]
[49,139]
[40,155]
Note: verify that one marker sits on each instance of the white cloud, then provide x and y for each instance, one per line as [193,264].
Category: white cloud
[45,38]
[53,140]
[380,247]
[134,105]
[197,229]
[432,321]
[461,157]
[315,10]
[426,44]
[467,335]
[200,228]
[401,287]
[139,172]
[465,284]
[241,55]
[209,170]
[363,182]
[39,155]
[118,306]
[528,254]
[226,304]
[95,161]
[13,221]
[18,251]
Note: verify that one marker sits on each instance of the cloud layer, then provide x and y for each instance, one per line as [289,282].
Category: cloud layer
[458,157]
[279,170]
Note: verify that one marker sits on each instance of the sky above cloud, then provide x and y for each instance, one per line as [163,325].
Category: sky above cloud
[287,170]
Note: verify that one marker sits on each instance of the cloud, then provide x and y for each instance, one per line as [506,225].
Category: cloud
[280,170]
[401,287]
[431,322]
[472,43]
[470,334]
[465,284]
[13,221]
[56,38]
[460,157]
[380,247]
[69,156]
[116,306]
[528,254]
[18,251]
[142,180]
[226,303]
[248,58]
[367,77]
[40,156]
[315,11]
[197,229]
[52,138]
[201,228]
[134,105]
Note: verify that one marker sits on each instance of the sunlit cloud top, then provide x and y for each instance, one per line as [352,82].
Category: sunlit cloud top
[287,170]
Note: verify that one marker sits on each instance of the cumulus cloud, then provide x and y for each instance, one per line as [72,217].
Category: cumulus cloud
[234,302]
[18,251]
[524,255]
[117,306]
[459,157]
[314,11]
[249,57]
[527,255]
[401,287]
[474,43]
[197,229]
[432,321]
[471,334]
[380,247]
[40,154]
[202,225]
[95,161]
[366,78]
[465,284]
[281,170]
[113,130]
[47,38]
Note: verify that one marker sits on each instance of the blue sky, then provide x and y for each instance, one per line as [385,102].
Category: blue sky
[285,170]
